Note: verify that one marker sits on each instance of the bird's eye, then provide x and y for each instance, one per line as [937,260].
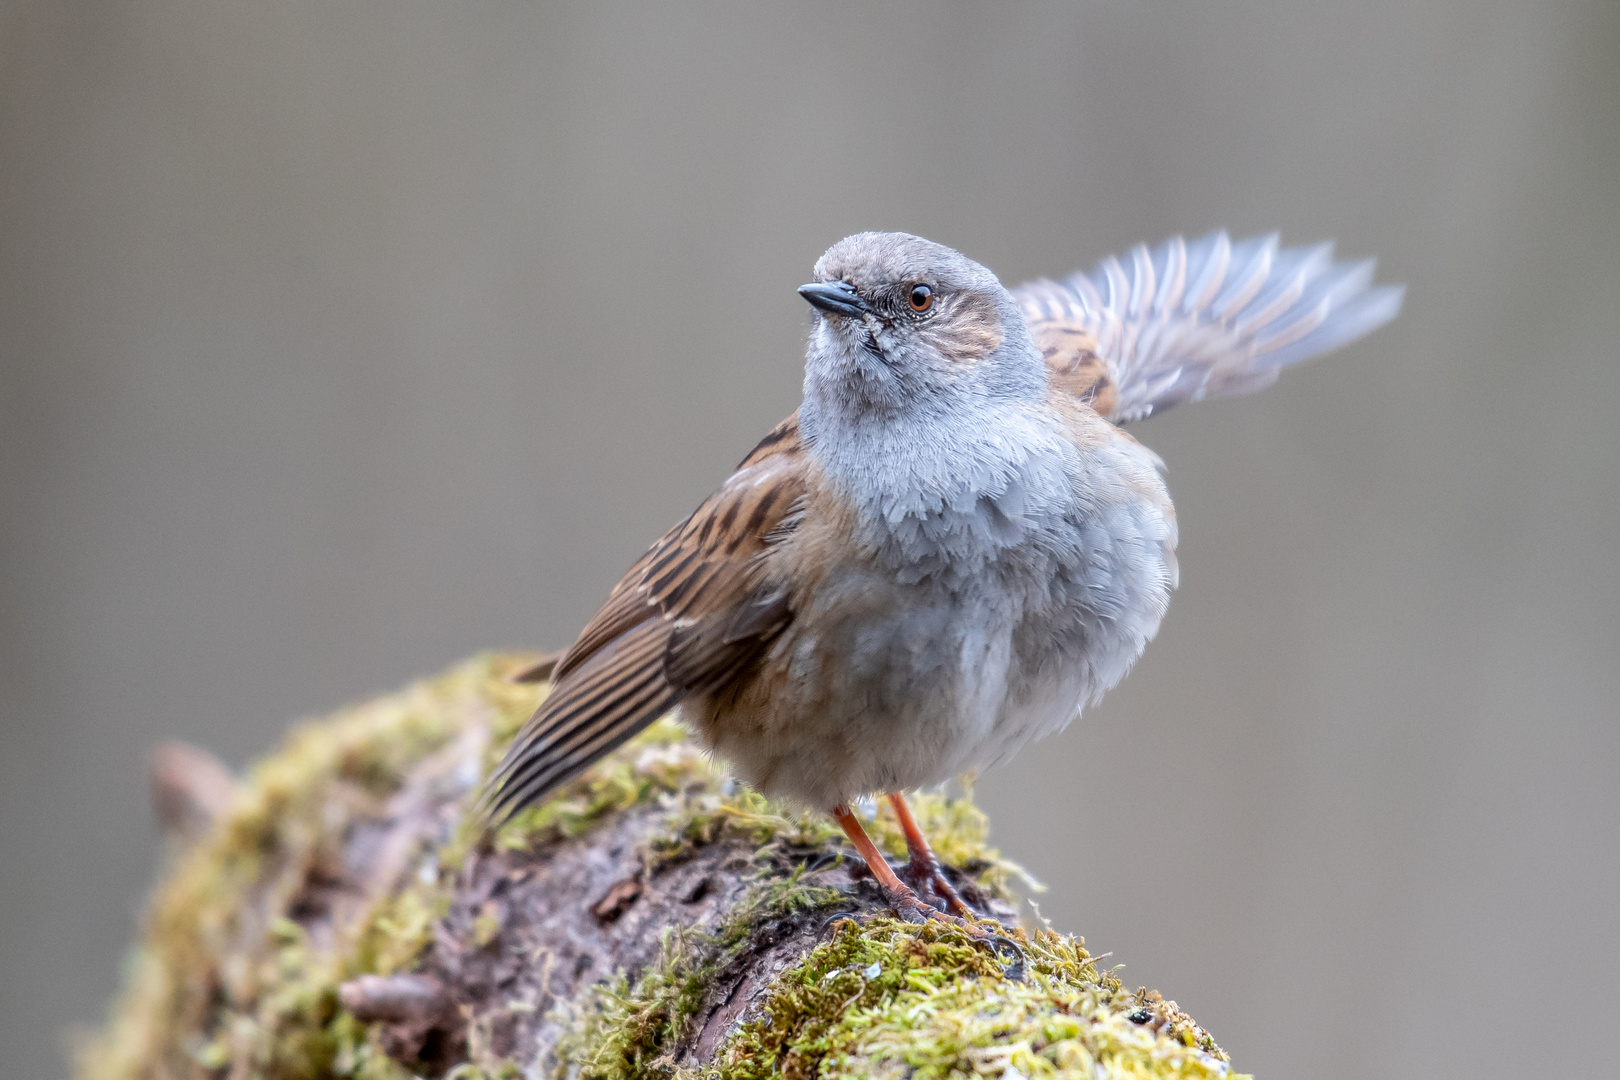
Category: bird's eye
[921,298]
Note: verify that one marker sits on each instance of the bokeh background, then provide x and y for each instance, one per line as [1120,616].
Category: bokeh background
[342,340]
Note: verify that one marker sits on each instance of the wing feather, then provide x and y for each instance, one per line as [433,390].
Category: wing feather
[1186,321]
[612,696]
[691,613]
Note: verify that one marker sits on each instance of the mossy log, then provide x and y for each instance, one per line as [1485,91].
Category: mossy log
[339,913]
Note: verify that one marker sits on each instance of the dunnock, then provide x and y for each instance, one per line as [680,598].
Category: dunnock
[951,548]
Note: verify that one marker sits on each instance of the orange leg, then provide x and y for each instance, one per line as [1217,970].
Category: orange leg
[924,864]
[905,902]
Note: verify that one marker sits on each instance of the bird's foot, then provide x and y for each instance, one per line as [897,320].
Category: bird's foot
[926,875]
[911,907]
[914,909]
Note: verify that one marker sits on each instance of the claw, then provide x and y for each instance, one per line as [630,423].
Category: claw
[1008,952]
[913,909]
[925,872]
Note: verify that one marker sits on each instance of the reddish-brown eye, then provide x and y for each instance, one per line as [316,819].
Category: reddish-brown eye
[922,298]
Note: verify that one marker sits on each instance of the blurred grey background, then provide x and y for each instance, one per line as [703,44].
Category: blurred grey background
[341,341]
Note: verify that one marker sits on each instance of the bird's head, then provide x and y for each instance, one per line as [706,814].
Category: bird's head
[904,325]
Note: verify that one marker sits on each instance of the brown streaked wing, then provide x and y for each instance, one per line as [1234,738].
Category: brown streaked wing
[690,614]
[613,695]
[655,580]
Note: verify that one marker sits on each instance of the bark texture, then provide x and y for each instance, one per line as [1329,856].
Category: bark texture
[342,914]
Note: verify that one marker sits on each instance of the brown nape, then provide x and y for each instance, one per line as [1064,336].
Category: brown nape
[969,332]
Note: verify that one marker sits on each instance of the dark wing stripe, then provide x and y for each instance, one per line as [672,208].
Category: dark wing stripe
[620,697]
[581,751]
[713,575]
[617,694]
[598,683]
[670,575]
[786,432]
[611,739]
[564,761]
[623,611]
[622,658]
[755,526]
[515,796]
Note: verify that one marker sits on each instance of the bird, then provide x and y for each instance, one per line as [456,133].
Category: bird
[952,547]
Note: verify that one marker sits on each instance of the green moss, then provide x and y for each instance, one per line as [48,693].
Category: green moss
[398,928]
[925,1002]
[619,1030]
[622,1030]
[890,999]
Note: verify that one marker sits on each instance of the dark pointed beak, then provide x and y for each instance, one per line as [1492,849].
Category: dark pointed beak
[835,298]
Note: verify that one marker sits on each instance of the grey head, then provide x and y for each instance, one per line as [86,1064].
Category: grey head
[923,401]
[907,326]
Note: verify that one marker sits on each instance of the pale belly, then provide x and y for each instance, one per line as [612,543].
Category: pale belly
[884,687]
[910,667]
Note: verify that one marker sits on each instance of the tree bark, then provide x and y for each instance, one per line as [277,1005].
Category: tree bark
[343,913]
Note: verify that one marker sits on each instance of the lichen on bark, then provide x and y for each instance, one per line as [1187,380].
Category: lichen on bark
[347,916]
